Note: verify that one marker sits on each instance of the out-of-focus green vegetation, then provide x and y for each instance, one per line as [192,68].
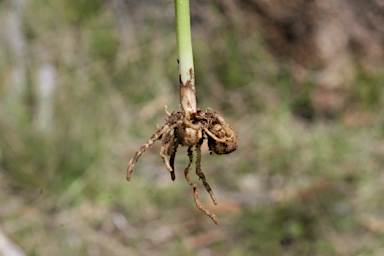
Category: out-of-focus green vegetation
[292,188]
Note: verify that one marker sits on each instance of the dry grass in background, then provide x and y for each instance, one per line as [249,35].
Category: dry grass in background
[104,71]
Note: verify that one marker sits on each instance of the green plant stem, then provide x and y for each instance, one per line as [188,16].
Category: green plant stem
[185,57]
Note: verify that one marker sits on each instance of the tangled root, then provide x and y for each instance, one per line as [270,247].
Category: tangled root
[191,132]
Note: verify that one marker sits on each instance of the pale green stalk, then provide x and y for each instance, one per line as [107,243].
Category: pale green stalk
[185,57]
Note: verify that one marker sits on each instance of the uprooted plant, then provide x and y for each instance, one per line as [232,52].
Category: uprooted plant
[190,126]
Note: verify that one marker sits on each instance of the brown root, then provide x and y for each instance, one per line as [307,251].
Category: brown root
[191,131]
[164,148]
[196,190]
[174,143]
[222,138]
[201,175]
[143,148]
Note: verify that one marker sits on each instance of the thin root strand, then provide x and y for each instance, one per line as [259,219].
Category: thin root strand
[201,175]
[196,190]
[143,148]
[172,153]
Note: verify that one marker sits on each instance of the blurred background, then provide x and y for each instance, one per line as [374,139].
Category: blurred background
[83,84]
